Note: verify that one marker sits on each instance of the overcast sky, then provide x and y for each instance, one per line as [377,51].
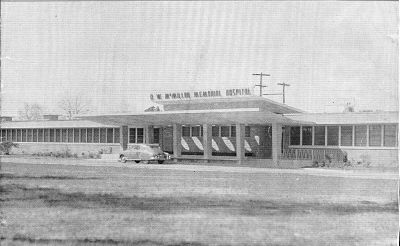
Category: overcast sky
[117,53]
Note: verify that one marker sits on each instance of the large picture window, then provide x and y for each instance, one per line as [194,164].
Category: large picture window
[375,138]
[319,135]
[333,135]
[360,133]
[390,135]
[41,135]
[295,135]
[19,135]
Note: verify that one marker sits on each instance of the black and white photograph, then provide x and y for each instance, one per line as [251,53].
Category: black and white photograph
[177,123]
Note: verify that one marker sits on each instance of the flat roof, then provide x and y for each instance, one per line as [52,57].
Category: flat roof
[385,117]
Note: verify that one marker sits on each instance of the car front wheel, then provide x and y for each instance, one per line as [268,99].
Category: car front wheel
[122,158]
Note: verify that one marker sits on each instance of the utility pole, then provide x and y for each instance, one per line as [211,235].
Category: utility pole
[283,90]
[261,83]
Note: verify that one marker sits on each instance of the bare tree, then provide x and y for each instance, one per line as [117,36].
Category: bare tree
[72,105]
[30,112]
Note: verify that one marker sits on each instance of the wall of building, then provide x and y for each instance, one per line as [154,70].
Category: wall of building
[73,148]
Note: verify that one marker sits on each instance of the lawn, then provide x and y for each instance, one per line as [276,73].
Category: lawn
[81,205]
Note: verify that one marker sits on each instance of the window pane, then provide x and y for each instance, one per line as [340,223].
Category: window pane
[319,135]
[307,135]
[247,131]
[140,135]
[110,136]
[156,133]
[103,133]
[51,135]
[390,136]
[116,135]
[89,135]
[40,135]
[196,131]
[360,136]
[34,135]
[295,135]
[23,135]
[70,135]
[233,131]
[375,138]
[29,139]
[225,131]
[185,131]
[96,135]
[64,135]
[333,135]
[58,135]
[132,135]
[19,135]
[346,135]
[215,131]
[9,135]
[76,135]
[14,135]
[83,135]
[3,135]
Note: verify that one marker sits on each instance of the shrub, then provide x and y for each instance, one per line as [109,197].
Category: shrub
[5,147]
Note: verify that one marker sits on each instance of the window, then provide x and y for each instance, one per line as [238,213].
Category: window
[9,134]
[64,136]
[116,135]
[319,135]
[196,131]
[140,135]
[14,135]
[295,135]
[390,135]
[58,135]
[19,135]
[24,135]
[375,138]
[29,138]
[247,131]
[360,133]
[70,137]
[156,135]
[35,135]
[96,135]
[233,131]
[41,135]
[76,135]
[185,131]
[333,135]
[215,131]
[132,135]
[83,135]
[103,135]
[3,135]
[307,135]
[346,136]
[89,133]
[110,137]
[225,131]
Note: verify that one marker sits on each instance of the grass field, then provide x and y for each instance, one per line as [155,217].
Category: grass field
[81,205]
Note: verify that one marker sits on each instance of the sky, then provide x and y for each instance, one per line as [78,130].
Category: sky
[115,54]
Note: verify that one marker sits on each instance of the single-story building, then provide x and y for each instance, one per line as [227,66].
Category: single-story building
[222,125]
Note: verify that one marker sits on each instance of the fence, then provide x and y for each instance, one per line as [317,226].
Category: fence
[332,155]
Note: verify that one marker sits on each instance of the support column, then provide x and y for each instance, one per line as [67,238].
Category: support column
[176,136]
[276,142]
[240,152]
[207,139]
[123,137]
[149,134]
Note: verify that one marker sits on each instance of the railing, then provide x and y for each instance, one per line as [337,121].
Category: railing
[331,155]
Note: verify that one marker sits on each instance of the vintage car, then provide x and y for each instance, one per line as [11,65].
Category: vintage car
[143,152]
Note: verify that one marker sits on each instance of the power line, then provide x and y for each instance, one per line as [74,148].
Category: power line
[261,82]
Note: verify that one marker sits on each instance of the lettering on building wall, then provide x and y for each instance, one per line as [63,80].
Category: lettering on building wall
[200,94]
